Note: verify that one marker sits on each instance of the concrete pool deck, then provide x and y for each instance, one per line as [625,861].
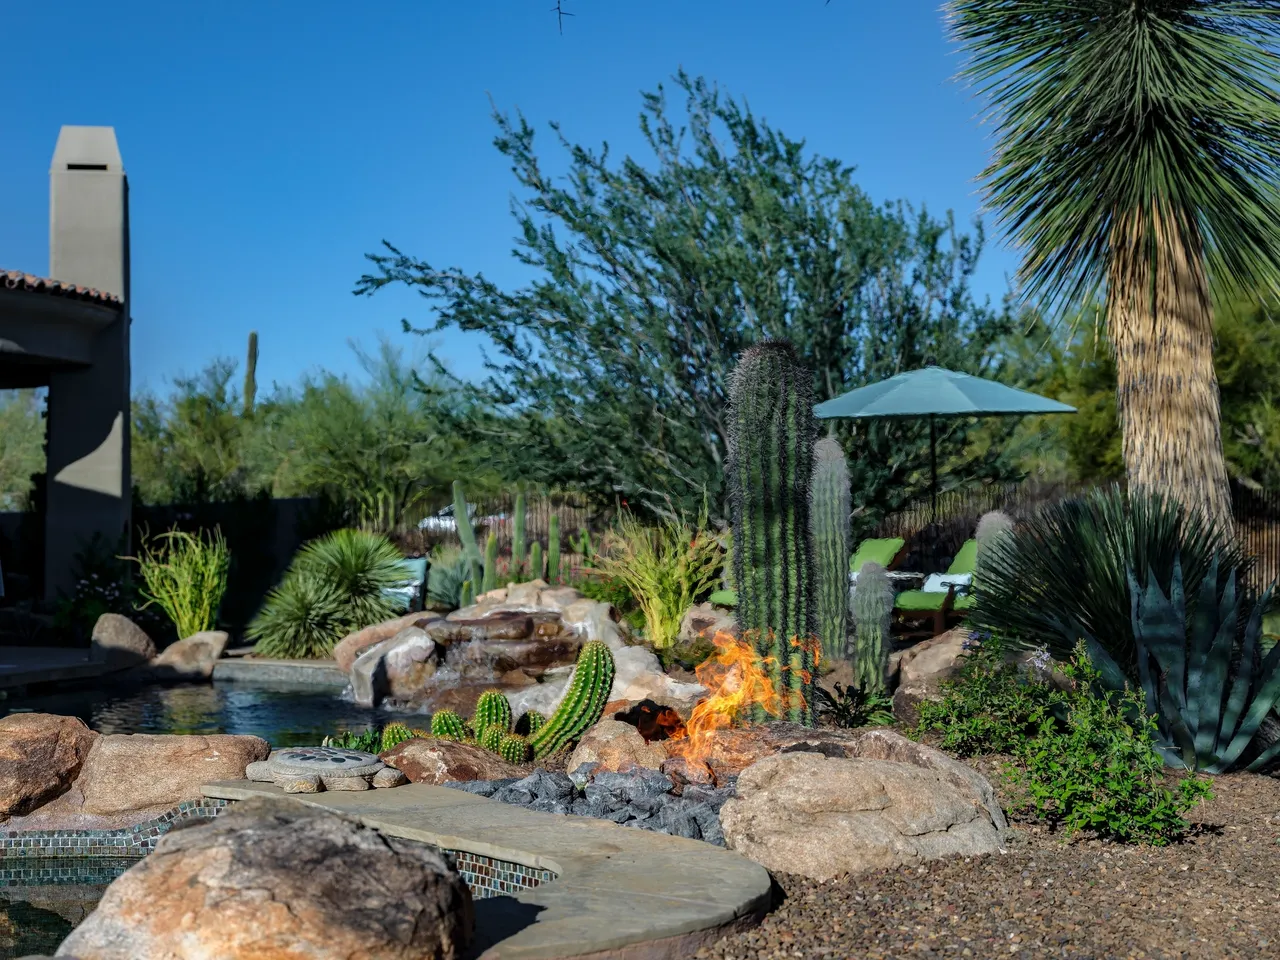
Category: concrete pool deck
[316,673]
[619,893]
[22,667]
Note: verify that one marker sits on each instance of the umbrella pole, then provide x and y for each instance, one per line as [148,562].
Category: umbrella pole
[933,466]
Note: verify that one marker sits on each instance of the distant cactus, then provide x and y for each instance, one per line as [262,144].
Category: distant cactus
[517,538]
[829,521]
[530,723]
[490,581]
[583,703]
[586,548]
[872,612]
[447,725]
[535,561]
[994,528]
[467,536]
[467,595]
[392,734]
[514,748]
[491,738]
[251,374]
[492,709]
[553,549]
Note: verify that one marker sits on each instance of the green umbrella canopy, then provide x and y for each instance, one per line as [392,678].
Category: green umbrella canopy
[935,392]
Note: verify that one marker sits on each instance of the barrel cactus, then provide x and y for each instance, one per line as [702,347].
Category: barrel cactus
[492,709]
[392,734]
[448,726]
[830,526]
[514,748]
[530,723]
[872,613]
[769,476]
[491,737]
[583,703]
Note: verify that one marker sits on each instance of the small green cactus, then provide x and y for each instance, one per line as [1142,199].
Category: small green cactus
[514,748]
[392,734]
[491,738]
[583,704]
[490,581]
[530,723]
[535,561]
[517,537]
[467,595]
[553,549]
[466,535]
[492,709]
[447,725]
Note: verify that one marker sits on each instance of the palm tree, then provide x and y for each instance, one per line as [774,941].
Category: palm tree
[1138,143]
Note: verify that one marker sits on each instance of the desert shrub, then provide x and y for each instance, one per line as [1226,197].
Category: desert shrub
[185,575]
[665,567]
[300,619]
[853,706]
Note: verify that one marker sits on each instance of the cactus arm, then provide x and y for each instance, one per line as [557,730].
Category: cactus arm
[583,702]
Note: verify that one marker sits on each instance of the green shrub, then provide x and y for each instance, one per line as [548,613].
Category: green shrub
[852,707]
[370,741]
[301,619]
[185,575]
[450,569]
[615,591]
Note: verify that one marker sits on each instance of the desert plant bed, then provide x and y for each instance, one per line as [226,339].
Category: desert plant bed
[1215,894]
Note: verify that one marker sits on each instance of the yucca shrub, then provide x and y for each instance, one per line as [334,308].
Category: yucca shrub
[185,575]
[301,619]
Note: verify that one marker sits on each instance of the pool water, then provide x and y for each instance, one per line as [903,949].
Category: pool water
[283,715]
[42,900]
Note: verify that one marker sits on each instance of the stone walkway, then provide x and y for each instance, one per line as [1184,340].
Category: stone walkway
[618,893]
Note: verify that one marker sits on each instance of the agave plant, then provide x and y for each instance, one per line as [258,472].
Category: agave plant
[360,568]
[1207,712]
[1064,572]
[301,619]
[444,582]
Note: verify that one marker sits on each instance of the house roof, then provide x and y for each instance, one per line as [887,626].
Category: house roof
[17,280]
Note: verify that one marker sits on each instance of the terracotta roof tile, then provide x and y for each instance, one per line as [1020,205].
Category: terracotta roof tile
[17,280]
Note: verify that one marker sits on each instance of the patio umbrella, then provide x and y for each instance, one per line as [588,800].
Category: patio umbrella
[934,392]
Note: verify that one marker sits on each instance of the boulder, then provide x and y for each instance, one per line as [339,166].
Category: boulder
[191,658]
[525,595]
[558,598]
[932,661]
[120,643]
[822,817]
[277,879]
[351,646]
[908,697]
[40,757]
[704,621]
[615,746]
[150,773]
[439,761]
[398,668]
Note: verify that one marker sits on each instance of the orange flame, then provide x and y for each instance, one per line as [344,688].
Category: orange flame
[735,680]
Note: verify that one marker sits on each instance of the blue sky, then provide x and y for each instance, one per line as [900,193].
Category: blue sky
[270,145]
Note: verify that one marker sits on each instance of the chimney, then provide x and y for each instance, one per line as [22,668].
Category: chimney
[89,211]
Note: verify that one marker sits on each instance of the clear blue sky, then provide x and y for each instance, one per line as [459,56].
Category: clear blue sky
[270,145]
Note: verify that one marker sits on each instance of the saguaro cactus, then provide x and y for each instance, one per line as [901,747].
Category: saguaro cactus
[517,537]
[830,526]
[251,374]
[872,613]
[769,475]
[490,580]
[553,549]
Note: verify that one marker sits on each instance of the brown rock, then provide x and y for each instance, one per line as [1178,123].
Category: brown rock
[274,880]
[503,625]
[120,643]
[192,658]
[525,595]
[908,697]
[933,661]
[40,757]
[492,597]
[704,621]
[557,598]
[730,751]
[352,645]
[516,678]
[821,817]
[439,761]
[141,772]
[615,746]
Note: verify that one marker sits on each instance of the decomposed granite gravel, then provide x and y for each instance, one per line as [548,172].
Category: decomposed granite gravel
[1217,894]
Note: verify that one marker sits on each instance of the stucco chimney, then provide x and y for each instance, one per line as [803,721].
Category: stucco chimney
[89,211]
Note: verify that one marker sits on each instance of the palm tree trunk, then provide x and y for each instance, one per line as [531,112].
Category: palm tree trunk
[1161,319]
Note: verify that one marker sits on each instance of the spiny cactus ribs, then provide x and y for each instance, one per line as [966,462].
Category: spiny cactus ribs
[492,709]
[583,703]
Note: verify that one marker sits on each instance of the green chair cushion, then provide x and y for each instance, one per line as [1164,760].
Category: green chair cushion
[966,559]
[919,600]
[724,598]
[883,552]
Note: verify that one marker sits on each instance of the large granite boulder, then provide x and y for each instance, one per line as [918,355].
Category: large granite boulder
[615,746]
[704,621]
[354,644]
[119,643]
[398,668]
[272,879]
[191,658]
[146,773]
[822,817]
[440,761]
[930,662]
[40,757]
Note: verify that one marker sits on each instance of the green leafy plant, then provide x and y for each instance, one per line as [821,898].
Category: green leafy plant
[449,570]
[1208,688]
[614,591]
[185,575]
[369,741]
[851,706]
[665,568]
[300,619]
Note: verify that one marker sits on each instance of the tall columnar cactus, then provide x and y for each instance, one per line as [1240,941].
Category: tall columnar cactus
[251,374]
[583,703]
[447,725]
[872,613]
[830,526]
[490,581]
[553,549]
[586,548]
[492,710]
[535,561]
[517,537]
[514,748]
[769,474]
[467,595]
[466,535]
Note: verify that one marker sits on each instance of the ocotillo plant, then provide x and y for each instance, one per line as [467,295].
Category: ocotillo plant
[517,537]
[490,581]
[553,549]
[251,374]
[769,474]
[872,613]
[830,527]
[535,561]
[466,535]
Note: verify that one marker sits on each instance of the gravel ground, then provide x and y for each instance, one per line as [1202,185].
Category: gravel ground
[1217,894]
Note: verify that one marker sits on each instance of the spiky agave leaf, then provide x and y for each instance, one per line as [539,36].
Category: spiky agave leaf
[359,567]
[301,619]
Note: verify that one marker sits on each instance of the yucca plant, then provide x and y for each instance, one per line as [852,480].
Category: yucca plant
[1136,153]
[185,575]
[1206,689]
[301,619]
[1063,573]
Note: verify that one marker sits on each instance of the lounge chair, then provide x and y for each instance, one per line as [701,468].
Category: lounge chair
[888,552]
[941,594]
